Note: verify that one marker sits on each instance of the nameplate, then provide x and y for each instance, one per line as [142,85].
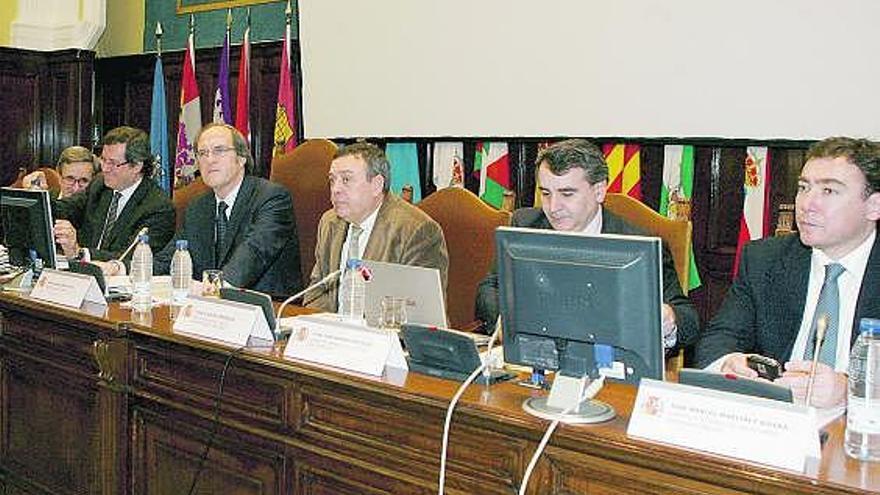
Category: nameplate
[329,340]
[222,320]
[67,289]
[751,428]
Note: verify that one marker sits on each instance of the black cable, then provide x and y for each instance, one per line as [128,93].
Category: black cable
[216,420]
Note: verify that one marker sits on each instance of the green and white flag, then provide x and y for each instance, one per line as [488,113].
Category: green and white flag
[676,193]
[492,164]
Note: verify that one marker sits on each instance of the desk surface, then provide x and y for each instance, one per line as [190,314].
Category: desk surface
[494,410]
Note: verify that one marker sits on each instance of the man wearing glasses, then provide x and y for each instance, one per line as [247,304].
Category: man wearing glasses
[101,223]
[244,226]
[77,167]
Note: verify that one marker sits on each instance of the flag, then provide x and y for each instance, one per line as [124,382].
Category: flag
[190,122]
[492,162]
[448,164]
[624,169]
[755,220]
[242,101]
[404,160]
[676,193]
[222,110]
[159,129]
[285,110]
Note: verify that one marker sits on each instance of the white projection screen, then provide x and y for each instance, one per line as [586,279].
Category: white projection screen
[754,69]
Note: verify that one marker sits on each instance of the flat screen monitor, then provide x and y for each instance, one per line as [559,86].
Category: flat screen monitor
[573,303]
[27,225]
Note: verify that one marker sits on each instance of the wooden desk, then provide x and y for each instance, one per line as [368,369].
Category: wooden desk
[105,405]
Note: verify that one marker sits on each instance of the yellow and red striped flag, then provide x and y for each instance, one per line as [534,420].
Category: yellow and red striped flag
[624,169]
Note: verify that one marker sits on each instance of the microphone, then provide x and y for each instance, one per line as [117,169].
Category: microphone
[133,243]
[821,326]
[319,284]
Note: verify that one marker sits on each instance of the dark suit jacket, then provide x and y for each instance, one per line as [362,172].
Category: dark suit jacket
[149,206]
[402,234]
[261,251]
[685,312]
[763,308]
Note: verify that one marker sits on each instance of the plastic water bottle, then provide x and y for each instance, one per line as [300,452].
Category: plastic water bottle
[181,272]
[142,274]
[354,291]
[863,401]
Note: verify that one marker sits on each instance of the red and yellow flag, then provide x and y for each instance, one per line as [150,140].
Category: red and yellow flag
[624,169]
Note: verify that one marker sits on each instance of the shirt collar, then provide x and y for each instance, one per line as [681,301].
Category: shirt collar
[230,198]
[595,225]
[854,262]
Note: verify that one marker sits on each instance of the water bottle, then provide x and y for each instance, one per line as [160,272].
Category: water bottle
[863,400]
[181,272]
[142,275]
[353,291]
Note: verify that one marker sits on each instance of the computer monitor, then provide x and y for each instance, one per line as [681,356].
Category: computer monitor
[27,224]
[575,303]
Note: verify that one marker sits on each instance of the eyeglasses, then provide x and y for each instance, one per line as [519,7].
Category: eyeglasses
[216,151]
[112,164]
[80,181]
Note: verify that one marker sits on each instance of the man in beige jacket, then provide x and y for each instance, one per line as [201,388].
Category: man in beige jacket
[368,222]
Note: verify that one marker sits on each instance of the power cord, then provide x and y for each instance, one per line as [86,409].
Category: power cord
[216,421]
[589,393]
[458,393]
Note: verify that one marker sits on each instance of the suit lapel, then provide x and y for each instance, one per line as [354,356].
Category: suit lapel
[381,229]
[236,218]
[126,217]
[338,228]
[789,278]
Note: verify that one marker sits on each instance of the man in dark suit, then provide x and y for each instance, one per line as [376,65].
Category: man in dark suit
[771,308]
[386,228]
[102,221]
[573,179]
[243,226]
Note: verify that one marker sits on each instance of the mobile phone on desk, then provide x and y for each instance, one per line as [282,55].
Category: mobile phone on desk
[767,368]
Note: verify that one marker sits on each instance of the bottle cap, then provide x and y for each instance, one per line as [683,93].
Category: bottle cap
[145,238]
[354,264]
[869,325]
[182,244]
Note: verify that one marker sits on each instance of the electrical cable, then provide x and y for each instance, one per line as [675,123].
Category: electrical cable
[216,421]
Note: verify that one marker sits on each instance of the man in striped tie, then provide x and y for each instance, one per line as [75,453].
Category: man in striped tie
[829,271]
[102,221]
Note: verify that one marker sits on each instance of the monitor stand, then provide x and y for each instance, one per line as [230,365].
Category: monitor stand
[566,405]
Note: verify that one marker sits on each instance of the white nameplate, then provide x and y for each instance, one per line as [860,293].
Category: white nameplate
[332,341]
[67,289]
[226,321]
[752,428]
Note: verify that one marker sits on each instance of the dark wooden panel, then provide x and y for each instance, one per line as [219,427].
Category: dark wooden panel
[46,104]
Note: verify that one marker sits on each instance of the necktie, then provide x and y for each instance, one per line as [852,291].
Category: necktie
[219,232]
[828,304]
[111,217]
[354,242]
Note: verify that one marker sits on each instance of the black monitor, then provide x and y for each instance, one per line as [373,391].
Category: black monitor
[27,225]
[575,303]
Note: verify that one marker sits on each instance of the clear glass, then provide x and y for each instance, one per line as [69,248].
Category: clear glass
[393,314]
[862,439]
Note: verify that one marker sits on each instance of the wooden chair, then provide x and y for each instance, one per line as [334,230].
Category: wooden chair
[303,172]
[184,195]
[52,178]
[675,233]
[469,228]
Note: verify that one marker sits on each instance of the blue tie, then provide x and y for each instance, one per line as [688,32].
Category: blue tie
[828,304]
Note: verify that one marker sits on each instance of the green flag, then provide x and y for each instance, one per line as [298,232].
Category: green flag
[676,193]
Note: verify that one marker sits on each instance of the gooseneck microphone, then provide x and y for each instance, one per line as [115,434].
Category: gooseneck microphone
[821,326]
[319,284]
[133,243]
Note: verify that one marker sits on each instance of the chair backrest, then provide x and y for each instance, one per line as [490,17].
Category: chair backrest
[469,228]
[53,179]
[303,172]
[181,198]
[675,233]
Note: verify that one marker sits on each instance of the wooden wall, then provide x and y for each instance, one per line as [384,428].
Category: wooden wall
[45,100]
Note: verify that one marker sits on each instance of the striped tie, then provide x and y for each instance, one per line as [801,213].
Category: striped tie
[828,304]
[219,232]
[111,217]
